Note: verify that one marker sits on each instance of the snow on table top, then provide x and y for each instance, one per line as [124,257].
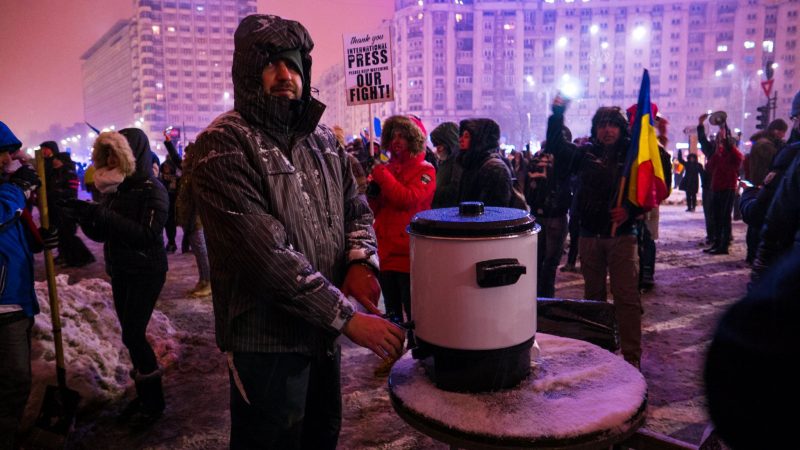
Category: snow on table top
[575,388]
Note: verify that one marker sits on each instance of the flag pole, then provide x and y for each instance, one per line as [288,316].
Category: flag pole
[619,203]
[371,128]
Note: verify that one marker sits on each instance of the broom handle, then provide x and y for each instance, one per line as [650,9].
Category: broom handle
[619,203]
[55,313]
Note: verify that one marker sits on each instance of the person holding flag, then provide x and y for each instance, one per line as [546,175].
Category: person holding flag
[608,243]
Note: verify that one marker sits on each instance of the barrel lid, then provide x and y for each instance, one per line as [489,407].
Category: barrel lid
[471,219]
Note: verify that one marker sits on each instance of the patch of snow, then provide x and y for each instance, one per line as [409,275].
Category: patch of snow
[97,363]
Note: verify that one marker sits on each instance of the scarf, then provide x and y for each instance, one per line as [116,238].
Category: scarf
[106,180]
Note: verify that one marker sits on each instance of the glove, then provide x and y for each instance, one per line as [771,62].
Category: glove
[373,189]
[77,209]
[26,179]
[49,237]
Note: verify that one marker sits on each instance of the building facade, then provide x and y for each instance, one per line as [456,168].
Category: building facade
[169,65]
[506,59]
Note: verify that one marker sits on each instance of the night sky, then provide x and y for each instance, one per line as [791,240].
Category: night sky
[41,42]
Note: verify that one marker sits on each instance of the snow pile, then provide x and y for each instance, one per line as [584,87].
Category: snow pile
[97,363]
[575,389]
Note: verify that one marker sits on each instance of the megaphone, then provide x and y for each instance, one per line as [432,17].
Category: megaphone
[718,118]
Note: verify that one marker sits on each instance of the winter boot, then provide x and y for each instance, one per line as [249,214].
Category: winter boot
[151,399]
[201,289]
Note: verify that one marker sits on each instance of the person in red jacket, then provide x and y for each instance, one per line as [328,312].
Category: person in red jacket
[398,190]
[724,159]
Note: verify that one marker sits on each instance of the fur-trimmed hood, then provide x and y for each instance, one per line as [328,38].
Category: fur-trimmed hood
[113,143]
[408,129]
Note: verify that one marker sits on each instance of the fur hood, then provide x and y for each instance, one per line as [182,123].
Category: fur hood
[407,128]
[113,143]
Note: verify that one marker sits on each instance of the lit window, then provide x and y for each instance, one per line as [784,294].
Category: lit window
[749,44]
[156,29]
[722,48]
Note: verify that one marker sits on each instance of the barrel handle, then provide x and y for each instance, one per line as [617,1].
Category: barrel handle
[498,272]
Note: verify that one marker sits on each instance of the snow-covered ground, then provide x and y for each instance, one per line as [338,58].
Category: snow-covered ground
[692,289]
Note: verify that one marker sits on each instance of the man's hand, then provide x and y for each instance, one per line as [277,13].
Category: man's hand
[619,215]
[702,119]
[560,104]
[26,179]
[384,338]
[361,284]
[49,237]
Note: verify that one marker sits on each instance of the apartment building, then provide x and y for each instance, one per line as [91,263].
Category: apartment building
[169,65]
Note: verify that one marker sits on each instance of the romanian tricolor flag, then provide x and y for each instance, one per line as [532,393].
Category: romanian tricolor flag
[646,184]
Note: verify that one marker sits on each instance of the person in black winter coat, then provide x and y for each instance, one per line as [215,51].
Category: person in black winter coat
[691,179]
[130,221]
[549,194]
[749,375]
[608,242]
[485,177]
[445,140]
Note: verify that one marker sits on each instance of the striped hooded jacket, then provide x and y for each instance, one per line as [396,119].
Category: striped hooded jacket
[279,205]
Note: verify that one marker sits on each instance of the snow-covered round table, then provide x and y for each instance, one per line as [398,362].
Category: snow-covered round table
[578,396]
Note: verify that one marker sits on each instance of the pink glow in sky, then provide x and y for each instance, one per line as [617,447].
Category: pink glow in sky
[41,42]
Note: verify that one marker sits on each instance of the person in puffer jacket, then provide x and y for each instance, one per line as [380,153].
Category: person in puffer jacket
[448,176]
[485,177]
[130,221]
[400,189]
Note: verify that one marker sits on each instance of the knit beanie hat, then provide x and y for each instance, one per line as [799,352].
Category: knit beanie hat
[52,145]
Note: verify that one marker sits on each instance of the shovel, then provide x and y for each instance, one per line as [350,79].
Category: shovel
[57,416]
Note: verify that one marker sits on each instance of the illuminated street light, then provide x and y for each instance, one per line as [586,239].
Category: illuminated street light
[760,72]
[594,29]
[529,79]
[569,86]
[639,32]
[774,65]
[604,45]
[718,73]
[730,67]
[562,41]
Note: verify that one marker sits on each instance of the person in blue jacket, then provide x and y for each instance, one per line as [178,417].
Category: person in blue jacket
[18,303]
